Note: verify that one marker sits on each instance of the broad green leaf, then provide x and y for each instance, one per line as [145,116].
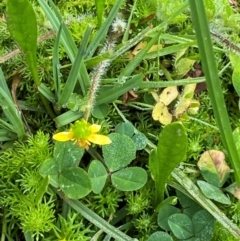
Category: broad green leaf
[140,140]
[75,183]
[22,25]
[171,150]
[164,213]
[67,154]
[119,153]
[125,128]
[101,111]
[213,192]
[129,179]
[159,235]
[50,168]
[203,225]
[181,225]
[98,175]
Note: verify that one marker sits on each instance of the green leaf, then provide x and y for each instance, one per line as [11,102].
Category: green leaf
[75,183]
[67,154]
[129,179]
[102,32]
[100,10]
[181,225]
[98,175]
[101,111]
[183,66]
[73,74]
[42,189]
[22,25]
[213,82]
[203,225]
[171,150]
[120,152]
[213,192]
[110,95]
[50,168]
[11,112]
[68,117]
[157,236]
[127,71]
[166,202]
[140,140]
[125,128]
[236,72]
[164,213]
[189,206]
[213,167]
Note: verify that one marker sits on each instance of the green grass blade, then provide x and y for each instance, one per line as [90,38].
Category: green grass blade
[12,114]
[96,220]
[100,11]
[56,64]
[6,136]
[138,58]
[46,92]
[67,117]
[213,83]
[56,20]
[73,75]
[3,84]
[102,32]
[112,94]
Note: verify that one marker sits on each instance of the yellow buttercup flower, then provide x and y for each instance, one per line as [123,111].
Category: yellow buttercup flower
[84,134]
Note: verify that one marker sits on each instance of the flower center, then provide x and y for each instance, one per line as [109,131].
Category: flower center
[81,130]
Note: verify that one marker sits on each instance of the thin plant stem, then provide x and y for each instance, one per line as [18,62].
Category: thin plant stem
[213,83]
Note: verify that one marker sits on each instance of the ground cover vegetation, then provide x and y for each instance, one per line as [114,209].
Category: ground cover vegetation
[119,120]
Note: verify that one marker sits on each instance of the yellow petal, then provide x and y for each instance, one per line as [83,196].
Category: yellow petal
[94,128]
[160,112]
[99,139]
[63,136]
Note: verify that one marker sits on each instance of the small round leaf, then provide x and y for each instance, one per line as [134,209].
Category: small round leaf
[125,128]
[75,183]
[203,224]
[129,179]
[181,225]
[140,141]
[157,236]
[120,152]
[50,167]
[164,213]
[100,111]
[98,175]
